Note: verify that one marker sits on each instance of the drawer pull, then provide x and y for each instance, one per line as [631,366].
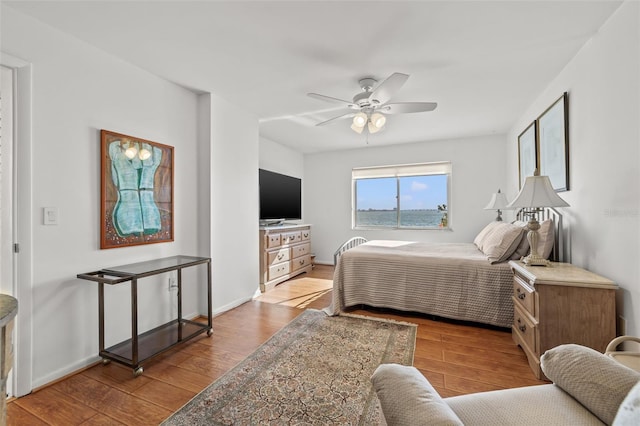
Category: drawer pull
[302,262]
[280,256]
[523,328]
[521,295]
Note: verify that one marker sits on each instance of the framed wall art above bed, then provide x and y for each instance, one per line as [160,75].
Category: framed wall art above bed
[527,153]
[553,143]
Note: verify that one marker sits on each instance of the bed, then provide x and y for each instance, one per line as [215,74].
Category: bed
[451,280]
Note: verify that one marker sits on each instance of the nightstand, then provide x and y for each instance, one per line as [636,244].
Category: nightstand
[559,304]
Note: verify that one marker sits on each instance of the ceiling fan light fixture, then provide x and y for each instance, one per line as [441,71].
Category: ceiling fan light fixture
[356,128]
[373,128]
[359,120]
[378,120]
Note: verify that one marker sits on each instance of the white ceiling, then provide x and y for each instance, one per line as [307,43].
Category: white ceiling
[482,61]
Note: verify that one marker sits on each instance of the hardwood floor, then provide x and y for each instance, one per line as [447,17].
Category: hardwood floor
[456,358]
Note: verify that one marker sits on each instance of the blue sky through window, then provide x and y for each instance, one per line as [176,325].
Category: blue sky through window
[416,193]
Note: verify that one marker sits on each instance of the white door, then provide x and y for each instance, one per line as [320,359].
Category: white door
[6,188]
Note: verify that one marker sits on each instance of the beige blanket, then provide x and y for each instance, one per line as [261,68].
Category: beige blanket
[451,280]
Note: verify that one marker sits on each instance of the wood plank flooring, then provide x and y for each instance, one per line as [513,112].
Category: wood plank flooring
[456,358]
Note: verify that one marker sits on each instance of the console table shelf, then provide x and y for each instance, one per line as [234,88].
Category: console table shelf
[142,347]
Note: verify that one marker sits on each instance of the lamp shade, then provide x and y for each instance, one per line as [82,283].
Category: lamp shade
[537,191]
[498,202]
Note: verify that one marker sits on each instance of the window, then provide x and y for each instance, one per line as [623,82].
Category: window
[405,196]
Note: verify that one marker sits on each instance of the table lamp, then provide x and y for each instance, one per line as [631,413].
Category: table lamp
[536,193]
[498,202]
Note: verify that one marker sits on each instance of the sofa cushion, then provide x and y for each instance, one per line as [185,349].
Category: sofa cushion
[595,380]
[407,398]
[526,406]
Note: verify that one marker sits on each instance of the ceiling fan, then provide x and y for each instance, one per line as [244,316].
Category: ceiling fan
[369,108]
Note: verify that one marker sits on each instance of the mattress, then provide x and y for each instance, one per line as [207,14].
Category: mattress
[450,280]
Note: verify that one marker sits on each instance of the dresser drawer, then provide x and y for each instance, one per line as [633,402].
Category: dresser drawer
[291,237]
[300,250]
[306,235]
[279,270]
[525,329]
[281,255]
[273,240]
[524,295]
[300,262]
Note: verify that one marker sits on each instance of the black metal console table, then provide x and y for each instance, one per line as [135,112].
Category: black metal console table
[141,347]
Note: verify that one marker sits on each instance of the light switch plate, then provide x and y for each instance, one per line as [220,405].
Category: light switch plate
[50,215]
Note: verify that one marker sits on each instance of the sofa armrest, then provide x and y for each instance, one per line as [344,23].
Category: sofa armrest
[595,380]
[407,398]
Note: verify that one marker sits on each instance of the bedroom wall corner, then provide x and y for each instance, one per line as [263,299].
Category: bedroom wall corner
[603,85]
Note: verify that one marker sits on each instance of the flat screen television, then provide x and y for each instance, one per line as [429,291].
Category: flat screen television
[280,197]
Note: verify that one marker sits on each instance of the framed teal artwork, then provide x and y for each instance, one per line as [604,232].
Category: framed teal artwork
[136,197]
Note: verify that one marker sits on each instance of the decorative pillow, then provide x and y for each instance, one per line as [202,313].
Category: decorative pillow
[503,240]
[523,248]
[629,412]
[407,398]
[546,238]
[479,240]
[593,379]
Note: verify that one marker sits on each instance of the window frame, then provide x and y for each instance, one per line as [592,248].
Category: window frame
[399,171]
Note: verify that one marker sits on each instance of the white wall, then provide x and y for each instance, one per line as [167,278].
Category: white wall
[280,159]
[284,160]
[478,171]
[604,136]
[233,204]
[78,90]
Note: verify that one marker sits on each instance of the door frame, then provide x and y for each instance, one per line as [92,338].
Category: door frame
[23,222]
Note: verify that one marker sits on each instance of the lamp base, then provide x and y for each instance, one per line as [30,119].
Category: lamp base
[535,260]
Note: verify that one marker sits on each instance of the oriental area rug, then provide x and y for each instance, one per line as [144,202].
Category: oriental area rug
[316,370]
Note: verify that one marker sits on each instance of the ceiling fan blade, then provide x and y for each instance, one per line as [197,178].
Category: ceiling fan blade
[407,107]
[340,117]
[329,99]
[387,88]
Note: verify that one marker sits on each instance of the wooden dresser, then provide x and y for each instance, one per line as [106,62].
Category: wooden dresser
[285,251]
[559,304]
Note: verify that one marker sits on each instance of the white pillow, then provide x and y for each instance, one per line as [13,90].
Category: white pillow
[479,240]
[503,240]
[523,248]
[546,238]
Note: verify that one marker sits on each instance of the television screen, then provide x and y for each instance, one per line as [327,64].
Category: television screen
[280,196]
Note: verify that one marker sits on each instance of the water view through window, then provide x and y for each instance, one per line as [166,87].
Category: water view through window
[410,201]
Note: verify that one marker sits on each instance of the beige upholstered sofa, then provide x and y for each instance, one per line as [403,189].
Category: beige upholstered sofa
[588,388]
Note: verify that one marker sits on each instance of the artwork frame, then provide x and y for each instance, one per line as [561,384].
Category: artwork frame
[136,191]
[527,153]
[553,143]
